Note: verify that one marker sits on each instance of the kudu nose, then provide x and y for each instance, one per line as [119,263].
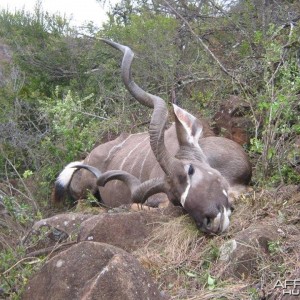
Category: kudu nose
[218,224]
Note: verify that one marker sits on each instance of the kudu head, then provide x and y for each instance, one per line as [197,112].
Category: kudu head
[200,189]
[189,180]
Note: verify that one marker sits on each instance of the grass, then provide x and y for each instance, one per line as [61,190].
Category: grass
[186,263]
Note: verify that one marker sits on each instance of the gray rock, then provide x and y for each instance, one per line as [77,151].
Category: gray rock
[91,270]
[127,230]
[51,231]
[244,251]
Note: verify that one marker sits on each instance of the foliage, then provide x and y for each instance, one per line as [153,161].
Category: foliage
[15,268]
[15,272]
[61,92]
[157,56]
[38,45]
[72,120]
[277,108]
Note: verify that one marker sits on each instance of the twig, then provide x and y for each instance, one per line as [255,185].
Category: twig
[20,261]
[91,115]
[290,23]
[12,188]
[203,44]
[138,125]
[21,179]
[50,250]
[195,80]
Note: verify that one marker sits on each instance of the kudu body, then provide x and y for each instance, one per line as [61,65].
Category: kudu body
[197,172]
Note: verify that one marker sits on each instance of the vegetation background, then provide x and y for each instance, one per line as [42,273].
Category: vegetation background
[61,91]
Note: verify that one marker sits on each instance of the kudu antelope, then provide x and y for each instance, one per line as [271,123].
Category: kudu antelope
[196,172]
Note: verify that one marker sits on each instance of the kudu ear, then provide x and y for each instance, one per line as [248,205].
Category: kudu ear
[189,128]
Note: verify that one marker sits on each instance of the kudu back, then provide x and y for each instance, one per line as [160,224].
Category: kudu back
[198,172]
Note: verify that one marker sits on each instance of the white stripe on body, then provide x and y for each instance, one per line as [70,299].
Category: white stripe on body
[143,163]
[130,152]
[117,147]
[137,157]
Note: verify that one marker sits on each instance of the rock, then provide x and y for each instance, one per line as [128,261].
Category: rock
[244,251]
[91,270]
[10,232]
[232,120]
[48,232]
[127,230]
[286,192]
[227,249]
[67,222]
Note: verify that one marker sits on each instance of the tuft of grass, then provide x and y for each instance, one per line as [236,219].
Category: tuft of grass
[178,240]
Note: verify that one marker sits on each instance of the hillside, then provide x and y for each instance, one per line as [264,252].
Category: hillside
[234,65]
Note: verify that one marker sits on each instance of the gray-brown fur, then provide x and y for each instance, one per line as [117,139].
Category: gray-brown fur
[199,177]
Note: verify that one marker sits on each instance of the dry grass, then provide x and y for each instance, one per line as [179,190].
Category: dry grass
[182,259]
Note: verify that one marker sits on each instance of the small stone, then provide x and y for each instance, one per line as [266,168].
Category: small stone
[227,249]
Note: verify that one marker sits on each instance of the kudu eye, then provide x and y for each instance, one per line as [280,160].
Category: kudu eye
[191,170]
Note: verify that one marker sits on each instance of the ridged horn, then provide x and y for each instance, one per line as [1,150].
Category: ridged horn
[131,181]
[160,112]
[93,170]
[149,188]
[140,192]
